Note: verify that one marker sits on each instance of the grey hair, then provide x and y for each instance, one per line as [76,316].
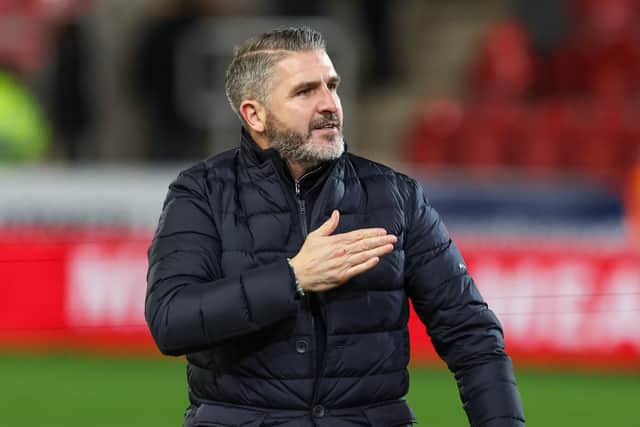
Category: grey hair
[249,75]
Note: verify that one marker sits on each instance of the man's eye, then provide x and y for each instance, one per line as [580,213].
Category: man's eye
[304,91]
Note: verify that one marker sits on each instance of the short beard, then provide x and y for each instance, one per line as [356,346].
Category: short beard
[296,147]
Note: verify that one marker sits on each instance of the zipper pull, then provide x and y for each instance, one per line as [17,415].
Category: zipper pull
[297,184]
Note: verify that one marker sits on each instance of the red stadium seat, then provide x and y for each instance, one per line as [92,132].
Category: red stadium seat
[569,71]
[615,71]
[601,134]
[601,55]
[604,21]
[482,142]
[435,128]
[537,150]
[480,148]
[504,67]
[552,133]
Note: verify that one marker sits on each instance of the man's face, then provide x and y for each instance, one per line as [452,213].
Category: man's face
[304,114]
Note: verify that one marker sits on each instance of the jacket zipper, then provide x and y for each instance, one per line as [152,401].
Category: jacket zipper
[302,211]
[312,302]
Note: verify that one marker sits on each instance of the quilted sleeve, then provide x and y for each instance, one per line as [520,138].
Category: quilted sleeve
[189,306]
[464,331]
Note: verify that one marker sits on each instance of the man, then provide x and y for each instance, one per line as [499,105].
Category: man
[282,268]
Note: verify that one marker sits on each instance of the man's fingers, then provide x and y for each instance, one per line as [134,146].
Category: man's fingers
[352,271]
[361,268]
[330,225]
[364,256]
[370,243]
[360,234]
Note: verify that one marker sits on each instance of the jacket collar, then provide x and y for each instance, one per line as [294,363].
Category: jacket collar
[261,165]
[256,156]
[252,152]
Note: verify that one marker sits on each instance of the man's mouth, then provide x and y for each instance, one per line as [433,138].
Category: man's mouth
[329,125]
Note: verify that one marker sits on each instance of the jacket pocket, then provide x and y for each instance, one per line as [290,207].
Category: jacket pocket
[390,414]
[221,415]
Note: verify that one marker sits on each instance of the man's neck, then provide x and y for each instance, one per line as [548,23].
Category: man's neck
[298,169]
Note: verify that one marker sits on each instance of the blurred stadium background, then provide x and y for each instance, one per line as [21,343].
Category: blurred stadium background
[520,117]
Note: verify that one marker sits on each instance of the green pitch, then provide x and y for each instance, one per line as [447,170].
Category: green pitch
[69,391]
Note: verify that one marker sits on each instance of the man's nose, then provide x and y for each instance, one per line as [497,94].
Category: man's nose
[329,101]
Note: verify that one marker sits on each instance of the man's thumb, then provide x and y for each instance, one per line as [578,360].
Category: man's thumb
[330,225]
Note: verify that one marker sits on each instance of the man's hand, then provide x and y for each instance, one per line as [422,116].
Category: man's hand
[326,261]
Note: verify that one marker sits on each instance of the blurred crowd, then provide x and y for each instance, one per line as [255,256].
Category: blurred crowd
[47,72]
[30,32]
[556,87]
[545,98]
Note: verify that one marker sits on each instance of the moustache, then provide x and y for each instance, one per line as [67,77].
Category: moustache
[325,121]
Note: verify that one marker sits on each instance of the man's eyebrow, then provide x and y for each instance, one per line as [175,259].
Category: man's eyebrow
[314,83]
[305,85]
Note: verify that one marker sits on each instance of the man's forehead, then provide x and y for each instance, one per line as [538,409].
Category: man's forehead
[312,64]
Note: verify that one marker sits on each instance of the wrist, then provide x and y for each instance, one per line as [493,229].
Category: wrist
[298,286]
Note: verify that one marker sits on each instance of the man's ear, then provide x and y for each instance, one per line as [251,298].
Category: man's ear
[254,114]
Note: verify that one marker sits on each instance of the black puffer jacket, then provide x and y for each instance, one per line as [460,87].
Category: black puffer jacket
[221,292]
